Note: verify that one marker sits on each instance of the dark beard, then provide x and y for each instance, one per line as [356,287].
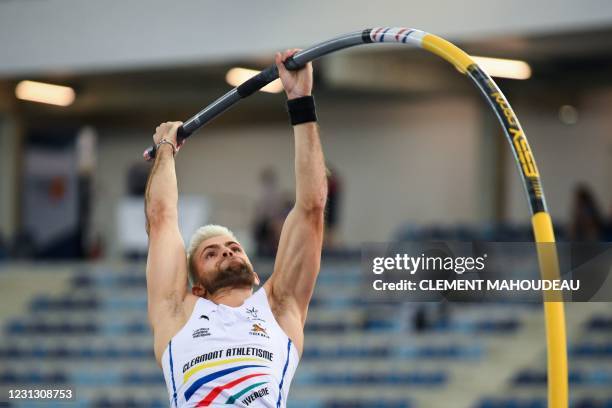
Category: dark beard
[232,275]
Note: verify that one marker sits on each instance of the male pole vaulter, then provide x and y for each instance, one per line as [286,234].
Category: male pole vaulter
[221,344]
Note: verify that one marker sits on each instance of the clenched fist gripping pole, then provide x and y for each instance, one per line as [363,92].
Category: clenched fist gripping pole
[541,221]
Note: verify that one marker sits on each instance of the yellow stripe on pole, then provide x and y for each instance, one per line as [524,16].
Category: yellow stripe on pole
[450,52]
[542,227]
[557,355]
[554,313]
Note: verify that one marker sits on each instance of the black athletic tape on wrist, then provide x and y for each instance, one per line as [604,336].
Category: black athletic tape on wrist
[302,110]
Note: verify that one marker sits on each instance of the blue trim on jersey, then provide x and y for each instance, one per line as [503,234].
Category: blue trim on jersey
[197,384]
[280,386]
[172,373]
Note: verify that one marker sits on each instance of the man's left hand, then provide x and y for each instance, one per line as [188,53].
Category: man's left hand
[296,83]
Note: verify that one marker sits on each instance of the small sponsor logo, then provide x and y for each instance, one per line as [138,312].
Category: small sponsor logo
[252,312]
[204,317]
[258,330]
[202,332]
[255,395]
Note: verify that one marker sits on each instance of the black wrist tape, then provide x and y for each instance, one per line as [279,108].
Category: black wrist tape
[302,110]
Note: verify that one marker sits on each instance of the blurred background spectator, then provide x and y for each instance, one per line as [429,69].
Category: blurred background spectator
[269,213]
[588,222]
[3,247]
[333,209]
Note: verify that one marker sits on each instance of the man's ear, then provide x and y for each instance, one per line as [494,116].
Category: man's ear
[257,280]
[198,290]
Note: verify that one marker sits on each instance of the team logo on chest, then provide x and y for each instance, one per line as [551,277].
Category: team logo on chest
[253,315]
[259,330]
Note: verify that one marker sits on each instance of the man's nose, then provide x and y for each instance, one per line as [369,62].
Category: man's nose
[228,253]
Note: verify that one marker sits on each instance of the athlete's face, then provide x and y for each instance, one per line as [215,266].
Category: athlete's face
[221,262]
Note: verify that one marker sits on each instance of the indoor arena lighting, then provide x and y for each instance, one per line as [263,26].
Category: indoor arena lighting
[45,93]
[504,68]
[236,76]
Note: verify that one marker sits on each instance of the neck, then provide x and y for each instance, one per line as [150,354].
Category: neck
[233,297]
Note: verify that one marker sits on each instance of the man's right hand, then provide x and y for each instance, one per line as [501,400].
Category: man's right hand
[167,130]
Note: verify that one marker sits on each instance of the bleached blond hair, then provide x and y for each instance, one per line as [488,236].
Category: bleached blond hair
[201,235]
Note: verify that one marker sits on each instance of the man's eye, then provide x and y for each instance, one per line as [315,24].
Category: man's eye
[237,249]
[210,254]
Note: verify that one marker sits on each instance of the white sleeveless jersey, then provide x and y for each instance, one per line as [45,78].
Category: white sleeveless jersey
[230,356]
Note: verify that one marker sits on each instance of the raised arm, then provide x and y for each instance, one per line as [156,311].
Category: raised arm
[166,261]
[299,252]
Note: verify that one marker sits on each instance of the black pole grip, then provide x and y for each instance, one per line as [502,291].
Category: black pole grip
[292,65]
[266,76]
[181,135]
[260,80]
